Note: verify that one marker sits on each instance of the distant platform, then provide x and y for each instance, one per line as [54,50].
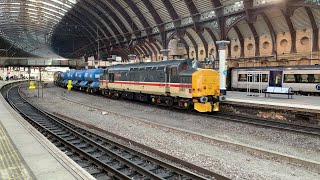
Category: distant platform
[26,154]
[298,101]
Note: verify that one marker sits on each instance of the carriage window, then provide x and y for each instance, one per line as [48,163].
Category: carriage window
[302,78]
[264,77]
[316,78]
[289,78]
[242,77]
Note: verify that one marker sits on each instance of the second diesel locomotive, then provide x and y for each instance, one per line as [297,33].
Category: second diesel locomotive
[174,83]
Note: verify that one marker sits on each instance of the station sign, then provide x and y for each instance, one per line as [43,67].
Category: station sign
[318,87]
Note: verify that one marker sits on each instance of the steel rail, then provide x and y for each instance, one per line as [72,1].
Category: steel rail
[305,129]
[69,135]
[245,148]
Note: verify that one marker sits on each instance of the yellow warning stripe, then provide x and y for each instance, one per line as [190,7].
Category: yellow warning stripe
[6,170]
[11,153]
[15,169]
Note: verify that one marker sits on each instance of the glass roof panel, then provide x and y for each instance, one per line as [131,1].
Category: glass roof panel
[29,24]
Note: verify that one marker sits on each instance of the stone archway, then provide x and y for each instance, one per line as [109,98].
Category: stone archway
[283,62]
[234,64]
[265,62]
[249,63]
[303,61]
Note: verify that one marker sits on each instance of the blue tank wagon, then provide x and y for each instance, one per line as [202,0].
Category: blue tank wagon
[91,83]
[64,78]
[79,78]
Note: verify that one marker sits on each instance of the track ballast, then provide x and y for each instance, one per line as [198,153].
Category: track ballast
[103,158]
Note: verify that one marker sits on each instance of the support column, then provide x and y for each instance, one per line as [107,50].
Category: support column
[222,65]
[96,64]
[165,53]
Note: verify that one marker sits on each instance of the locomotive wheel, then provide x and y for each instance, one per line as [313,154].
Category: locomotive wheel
[169,102]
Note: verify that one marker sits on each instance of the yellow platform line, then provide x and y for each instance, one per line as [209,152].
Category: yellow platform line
[16,169]
[6,171]
[13,155]
[15,165]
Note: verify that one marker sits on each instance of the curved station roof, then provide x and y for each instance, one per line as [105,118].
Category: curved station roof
[74,28]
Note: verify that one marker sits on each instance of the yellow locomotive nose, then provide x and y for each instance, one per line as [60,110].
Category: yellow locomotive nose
[205,82]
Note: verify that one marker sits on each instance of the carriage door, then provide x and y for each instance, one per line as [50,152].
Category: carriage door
[275,78]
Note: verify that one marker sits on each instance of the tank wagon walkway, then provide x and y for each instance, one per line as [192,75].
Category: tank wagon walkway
[298,101]
[26,154]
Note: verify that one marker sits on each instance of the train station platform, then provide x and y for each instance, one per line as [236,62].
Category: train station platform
[26,154]
[275,100]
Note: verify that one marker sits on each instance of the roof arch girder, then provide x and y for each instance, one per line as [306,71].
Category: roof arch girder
[107,13]
[214,38]
[256,38]
[293,32]
[139,14]
[272,32]
[89,21]
[101,23]
[315,30]
[240,37]
[194,44]
[124,14]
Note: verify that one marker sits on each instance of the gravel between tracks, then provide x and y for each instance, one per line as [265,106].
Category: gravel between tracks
[215,157]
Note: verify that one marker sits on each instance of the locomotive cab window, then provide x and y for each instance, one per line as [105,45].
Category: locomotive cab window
[186,80]
[174,75]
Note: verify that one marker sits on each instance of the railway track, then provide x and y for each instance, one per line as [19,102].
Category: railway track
[234,145]
[305,129]
[103,158]
[310,130]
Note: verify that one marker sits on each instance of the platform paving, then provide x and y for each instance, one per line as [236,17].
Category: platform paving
[27,154]
[298,101]
[12,165]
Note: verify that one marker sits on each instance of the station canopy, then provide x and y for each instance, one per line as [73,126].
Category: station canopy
[74,28]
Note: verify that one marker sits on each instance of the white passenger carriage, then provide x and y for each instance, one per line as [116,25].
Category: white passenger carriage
[302,79]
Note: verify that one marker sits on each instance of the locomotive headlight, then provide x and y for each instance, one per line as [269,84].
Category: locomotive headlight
[204,99]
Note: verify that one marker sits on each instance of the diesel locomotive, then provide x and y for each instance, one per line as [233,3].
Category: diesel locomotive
[175,83]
